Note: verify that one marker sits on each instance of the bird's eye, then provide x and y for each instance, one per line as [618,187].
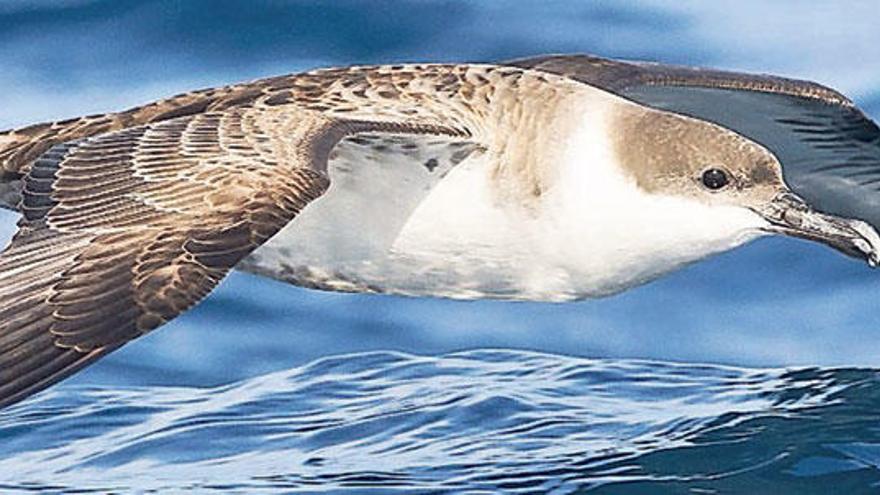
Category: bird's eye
[715,178]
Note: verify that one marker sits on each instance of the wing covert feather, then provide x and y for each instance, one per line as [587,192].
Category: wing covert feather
[124,231]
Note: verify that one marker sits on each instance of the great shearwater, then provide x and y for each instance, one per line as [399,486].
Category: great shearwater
[553,178]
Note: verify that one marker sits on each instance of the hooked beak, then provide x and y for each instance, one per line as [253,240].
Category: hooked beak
[791,215]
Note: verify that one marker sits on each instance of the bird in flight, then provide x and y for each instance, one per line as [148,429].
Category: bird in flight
[550,178]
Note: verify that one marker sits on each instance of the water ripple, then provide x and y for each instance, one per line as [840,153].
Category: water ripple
[472,422]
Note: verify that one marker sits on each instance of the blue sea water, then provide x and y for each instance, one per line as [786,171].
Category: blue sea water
[267,388]
[487,421]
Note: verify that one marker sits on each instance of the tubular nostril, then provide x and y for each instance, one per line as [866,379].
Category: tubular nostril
[793,217]
[794,201]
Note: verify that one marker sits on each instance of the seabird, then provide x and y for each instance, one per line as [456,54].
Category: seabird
[550,178]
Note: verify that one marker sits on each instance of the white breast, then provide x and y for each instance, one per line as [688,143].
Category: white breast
[607,234]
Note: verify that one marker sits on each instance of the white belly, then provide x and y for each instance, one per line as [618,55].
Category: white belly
[387,225]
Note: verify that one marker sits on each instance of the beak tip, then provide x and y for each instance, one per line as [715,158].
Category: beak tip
[869,243]
[790,215]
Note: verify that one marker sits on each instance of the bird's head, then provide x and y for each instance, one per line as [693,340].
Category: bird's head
[736,178]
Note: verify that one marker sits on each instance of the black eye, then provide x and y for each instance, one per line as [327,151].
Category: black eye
[715,178]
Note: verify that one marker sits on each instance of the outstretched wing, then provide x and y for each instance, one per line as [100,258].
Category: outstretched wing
[130,219]
[123,232]
[829,149]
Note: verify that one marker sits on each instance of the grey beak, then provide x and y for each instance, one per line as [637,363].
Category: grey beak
[791,215]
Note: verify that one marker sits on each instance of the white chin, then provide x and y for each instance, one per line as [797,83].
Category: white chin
[652,236]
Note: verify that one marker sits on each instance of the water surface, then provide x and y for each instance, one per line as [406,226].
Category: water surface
[471,422]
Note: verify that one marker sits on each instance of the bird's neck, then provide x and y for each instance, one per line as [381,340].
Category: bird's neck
[584,228]
[609,234]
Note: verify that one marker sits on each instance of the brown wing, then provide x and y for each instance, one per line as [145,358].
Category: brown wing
[125,231]
[19,148]
[140,214]
[350,91]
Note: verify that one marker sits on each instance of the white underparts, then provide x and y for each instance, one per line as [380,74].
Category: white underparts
[424,216]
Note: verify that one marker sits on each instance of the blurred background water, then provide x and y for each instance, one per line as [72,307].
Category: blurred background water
[243,394]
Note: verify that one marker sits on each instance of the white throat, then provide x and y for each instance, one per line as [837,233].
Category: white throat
[609,234]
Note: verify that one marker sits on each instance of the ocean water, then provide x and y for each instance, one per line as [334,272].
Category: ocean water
[486,421]
[267,388]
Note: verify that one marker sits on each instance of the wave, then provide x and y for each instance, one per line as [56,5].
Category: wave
[471,422]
